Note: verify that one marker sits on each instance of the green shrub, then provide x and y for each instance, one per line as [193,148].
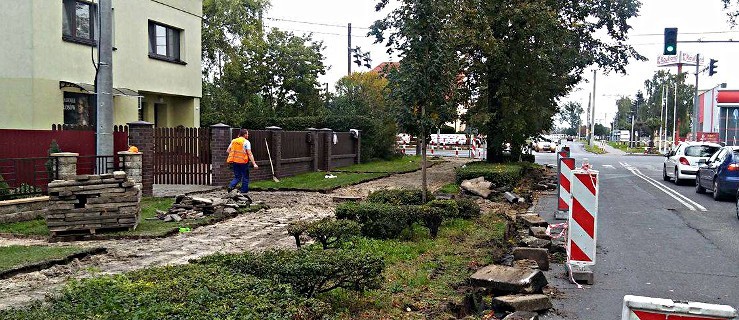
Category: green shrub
[309,272]
[296,229]
[50,164]
[431,217]
[398,196]
[530,158]
[4,188]
[378,220]
[449,208]
[468,208]
[500,174]
[193,291]
[330,232]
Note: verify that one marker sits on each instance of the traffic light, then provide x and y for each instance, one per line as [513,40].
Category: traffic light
[712,67]
[670,42]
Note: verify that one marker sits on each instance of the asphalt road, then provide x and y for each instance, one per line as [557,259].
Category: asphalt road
[655,239]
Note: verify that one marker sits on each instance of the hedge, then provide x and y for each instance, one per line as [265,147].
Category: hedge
[309,272]
[500,174]
[468,208]
[378,220]
[378,136]
[193,291]
[331,232]
[399,196]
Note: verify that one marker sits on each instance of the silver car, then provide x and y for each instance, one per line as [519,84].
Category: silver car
[682,162]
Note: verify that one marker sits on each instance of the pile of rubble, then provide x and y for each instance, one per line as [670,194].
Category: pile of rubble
[188,207]
[485,189]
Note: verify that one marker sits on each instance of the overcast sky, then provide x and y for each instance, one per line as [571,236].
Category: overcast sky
[695,20]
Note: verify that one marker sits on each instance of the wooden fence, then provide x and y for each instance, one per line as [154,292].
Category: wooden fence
[182,156]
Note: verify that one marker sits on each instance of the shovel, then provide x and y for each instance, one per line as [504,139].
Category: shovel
[270,162]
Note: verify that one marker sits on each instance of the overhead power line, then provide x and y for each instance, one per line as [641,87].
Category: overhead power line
[314,23]
[692,33]
[316,32]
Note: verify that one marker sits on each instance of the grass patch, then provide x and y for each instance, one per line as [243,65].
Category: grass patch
[146,229]
[594,149]
[35,227]
[18,256]
[398,165]
[501,174]
[315,181]
[451,188]
[624,147]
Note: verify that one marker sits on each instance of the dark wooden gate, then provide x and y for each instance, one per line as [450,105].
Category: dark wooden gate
[182,156]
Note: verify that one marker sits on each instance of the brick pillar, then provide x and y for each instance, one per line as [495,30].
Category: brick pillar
[315,139]
[65,165]
[141,135]
[132,164]
[328,140]
[220,138]
[357,135]
[275,148]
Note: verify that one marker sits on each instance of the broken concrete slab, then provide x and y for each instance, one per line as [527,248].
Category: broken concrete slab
[540,255]
[341,199]
[534,242]
[522,315]
[558,245]
[509,279]
[523,302]
[539,232]
[477,186]
[533,220]
[525,263]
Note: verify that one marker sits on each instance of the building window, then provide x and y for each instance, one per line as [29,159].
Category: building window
[164,42]
[78,22]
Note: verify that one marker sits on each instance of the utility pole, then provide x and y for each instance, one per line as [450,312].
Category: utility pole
[104,81]
[694,127]
[349,50]
[674,115]
[588,119]
[662,117]
[592,112]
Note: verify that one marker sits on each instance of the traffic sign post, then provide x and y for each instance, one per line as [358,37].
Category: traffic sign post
[646,308]
[583,226]
[565,165]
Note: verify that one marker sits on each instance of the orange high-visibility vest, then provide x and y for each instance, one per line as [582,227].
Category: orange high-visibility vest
[237,154]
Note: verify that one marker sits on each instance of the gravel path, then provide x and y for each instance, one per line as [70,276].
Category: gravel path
[253,231]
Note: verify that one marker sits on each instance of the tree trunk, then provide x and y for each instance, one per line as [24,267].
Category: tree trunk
[424,186]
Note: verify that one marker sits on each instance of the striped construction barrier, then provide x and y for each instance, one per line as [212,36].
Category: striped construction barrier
[565,166]
[645,308]
[583,217]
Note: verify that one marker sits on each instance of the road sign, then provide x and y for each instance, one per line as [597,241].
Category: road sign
[646,308]
[583,217]
[565,165]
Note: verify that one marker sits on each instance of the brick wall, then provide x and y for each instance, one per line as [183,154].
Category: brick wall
[141,135]
[220,138]
[23,209]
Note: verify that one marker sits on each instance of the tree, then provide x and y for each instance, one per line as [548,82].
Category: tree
[571,113]
[601,130]
[362,93]
[521,57]
[424,85]
[623,115]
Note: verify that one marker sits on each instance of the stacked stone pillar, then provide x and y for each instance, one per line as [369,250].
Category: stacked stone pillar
[328,143]
[65,165]
[141,135]
[132,164]
[220,138]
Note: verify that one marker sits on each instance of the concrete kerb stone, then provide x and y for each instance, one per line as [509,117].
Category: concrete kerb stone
[523,302]
[540,255]
[508,279]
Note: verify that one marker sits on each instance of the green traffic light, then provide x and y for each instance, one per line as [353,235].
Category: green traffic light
[670,49]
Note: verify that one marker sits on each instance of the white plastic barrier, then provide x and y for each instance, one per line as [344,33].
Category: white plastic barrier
[645,308]
[565,165]
[583,217]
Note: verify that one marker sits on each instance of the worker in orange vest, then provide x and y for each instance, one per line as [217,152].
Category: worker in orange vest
[239,155]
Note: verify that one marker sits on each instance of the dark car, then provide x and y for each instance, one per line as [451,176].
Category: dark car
[720,173]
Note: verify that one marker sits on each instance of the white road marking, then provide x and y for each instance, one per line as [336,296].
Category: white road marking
[608,166]
[690,204]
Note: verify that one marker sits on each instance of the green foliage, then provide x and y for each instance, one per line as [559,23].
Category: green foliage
[468,208]
[331,232]
[309,272]
[501,175]
[571,113]
[449,208]
[4,188]
[193,291]
[50,164]
[450,188]
[296,229]
[378,220]
[432,216]
[530,158]
[398,196]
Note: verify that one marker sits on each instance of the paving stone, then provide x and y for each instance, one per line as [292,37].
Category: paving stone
[525,263]
[509,279]
[539,232]
[533,242]
[540,255]
[523,302]
[522,315]
[532,220]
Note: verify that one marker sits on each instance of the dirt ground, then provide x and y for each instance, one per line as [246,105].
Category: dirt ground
[253,231]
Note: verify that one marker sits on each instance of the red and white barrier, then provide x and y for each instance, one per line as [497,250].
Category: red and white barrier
[583,217]
[645,308]
[565,165]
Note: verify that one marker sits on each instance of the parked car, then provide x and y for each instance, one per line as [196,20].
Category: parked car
[544,144]
[720,173]
[570,138]
[682,162]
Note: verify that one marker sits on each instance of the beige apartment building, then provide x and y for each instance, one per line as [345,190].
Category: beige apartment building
[48,55]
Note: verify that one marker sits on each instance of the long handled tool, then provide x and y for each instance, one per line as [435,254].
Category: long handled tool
[270,162]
